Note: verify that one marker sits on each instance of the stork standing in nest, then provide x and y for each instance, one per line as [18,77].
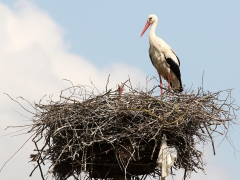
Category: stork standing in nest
[163,57]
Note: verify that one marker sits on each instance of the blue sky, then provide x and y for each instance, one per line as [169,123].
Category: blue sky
[44,41]
[203,34]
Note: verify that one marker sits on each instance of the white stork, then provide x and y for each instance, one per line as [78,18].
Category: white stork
[163,57]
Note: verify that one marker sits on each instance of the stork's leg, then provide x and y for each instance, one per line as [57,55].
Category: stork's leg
[168,81]
[161,84]
[169,92]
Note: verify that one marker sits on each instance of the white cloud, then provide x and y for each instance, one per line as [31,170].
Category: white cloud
[33,60]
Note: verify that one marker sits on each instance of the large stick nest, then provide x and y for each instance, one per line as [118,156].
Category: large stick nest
[108,134]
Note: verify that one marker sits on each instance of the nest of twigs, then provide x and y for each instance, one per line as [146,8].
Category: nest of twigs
[106,134]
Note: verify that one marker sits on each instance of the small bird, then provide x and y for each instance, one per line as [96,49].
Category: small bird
[120,88]
[163,57]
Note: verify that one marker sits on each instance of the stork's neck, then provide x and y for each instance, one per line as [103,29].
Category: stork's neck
[152,30]
[153,37]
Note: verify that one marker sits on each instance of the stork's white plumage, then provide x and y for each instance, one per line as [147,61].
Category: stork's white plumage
[163,57]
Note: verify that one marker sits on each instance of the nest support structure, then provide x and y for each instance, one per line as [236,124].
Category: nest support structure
[107,134]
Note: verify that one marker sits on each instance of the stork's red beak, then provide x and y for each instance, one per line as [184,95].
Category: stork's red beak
[145,28]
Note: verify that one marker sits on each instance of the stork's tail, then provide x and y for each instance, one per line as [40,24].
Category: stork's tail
[180,88]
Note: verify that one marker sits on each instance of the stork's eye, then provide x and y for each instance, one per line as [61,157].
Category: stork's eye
[150,18]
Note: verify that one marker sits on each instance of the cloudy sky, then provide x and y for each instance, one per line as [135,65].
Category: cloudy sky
[43,42]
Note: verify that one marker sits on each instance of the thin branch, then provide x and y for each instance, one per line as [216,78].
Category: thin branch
[16,152]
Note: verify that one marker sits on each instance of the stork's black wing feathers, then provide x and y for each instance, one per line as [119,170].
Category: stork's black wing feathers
[176,57]
[175,69]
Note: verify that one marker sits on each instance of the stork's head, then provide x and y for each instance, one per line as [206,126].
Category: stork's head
[151,19]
